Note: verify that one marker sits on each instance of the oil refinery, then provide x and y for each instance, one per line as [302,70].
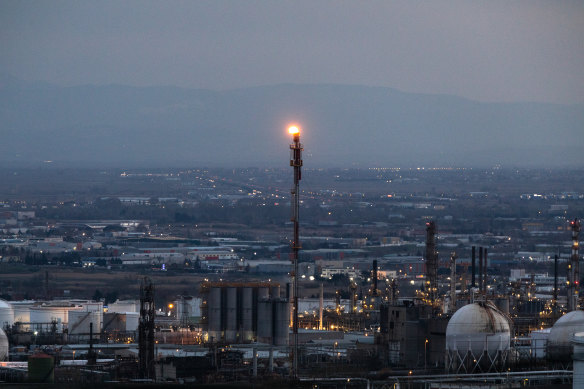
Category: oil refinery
[432,320]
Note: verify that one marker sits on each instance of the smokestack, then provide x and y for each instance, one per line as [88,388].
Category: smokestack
[452,283]
[91,337]
[480,269]
[353,290]
[431,263]
[555,280]
[375,277]
[574,268]
[474,267]
[320,307]
[485,272]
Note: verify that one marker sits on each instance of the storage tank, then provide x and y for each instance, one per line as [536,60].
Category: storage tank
[559,346]
[41,368]
[132,321]
[281,327]
[275,291]
[6,314]
[539,339]
[231,315]
[79,322]
[90,306]
[122,306]
[22,310]
[214,308]
[477,339]
[188,307]
[43,317]
[4,347]
[121,322]
[247,314]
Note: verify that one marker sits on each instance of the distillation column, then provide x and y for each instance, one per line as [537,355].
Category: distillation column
[574,268]
[431,264]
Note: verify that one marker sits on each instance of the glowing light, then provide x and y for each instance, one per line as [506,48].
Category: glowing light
[293,130]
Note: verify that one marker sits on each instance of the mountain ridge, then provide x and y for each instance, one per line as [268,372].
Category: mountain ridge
[344,125]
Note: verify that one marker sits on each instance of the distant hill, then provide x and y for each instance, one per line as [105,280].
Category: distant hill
[343,126]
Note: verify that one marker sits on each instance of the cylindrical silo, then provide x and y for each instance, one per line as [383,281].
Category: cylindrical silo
[231,320]
[51,317]
[214,306]
[6,314]
[265,334]
[247,314]
[122,306]
[275,291]
[41,368]
[114,322]
[22,310]
[132,321]
[79,322]
[263,293]
[281,328]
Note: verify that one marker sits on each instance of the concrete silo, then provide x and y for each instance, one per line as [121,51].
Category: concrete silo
[263,293]
[281,316]
[214,314]
[245,312]
[247,315]
[231,315]
[477,339]
[265,322]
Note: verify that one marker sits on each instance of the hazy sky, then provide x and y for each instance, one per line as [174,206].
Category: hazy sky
[484,50]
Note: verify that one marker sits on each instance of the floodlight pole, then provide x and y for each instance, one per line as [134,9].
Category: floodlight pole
[296,163]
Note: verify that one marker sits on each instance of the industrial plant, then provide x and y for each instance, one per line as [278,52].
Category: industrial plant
[437,314]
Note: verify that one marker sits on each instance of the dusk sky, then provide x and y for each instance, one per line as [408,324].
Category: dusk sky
[484,50]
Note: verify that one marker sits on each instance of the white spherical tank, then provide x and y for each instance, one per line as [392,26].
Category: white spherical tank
[6,314]
[3,346]
[478,328]
[559,346]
